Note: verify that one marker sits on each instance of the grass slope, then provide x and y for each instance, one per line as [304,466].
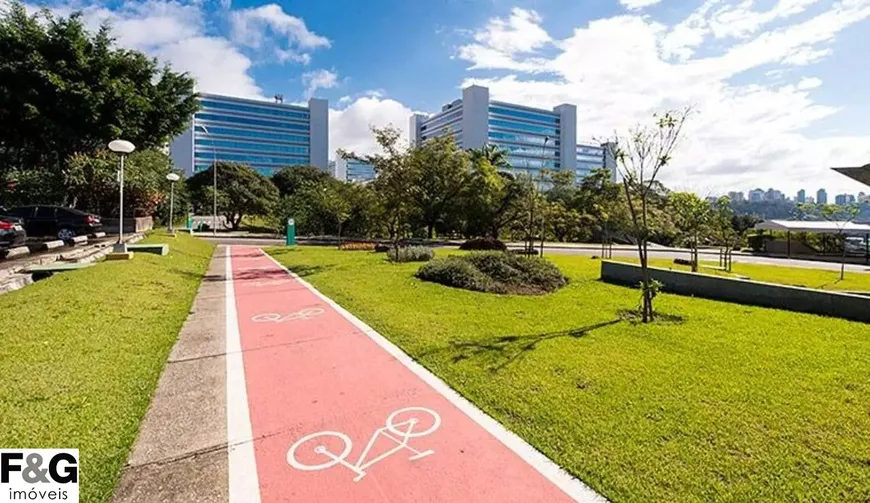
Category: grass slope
[733,403]
[82,352]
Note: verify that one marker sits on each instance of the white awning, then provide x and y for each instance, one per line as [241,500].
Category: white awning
[820,227]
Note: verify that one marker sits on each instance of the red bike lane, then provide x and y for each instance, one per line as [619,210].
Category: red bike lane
[336,417]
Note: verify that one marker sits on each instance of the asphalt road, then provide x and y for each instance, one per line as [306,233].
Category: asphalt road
[666,253]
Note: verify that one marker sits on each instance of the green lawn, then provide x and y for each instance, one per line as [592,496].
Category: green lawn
[810,278]
[722,402]
[82,352]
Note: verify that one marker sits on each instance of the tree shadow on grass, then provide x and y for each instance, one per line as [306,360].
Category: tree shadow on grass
[634,316]
[505,350]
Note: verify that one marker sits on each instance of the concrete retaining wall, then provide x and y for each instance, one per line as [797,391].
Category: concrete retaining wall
[756,293]
[131,225]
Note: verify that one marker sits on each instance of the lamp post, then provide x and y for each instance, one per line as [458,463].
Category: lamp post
[214,181]
[172,177]
[122,148]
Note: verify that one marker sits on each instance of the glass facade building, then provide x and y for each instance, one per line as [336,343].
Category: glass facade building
[533,138]
[264,135]
[352,170]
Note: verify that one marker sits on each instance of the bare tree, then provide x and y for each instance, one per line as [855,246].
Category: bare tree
[840,216]
[640,157]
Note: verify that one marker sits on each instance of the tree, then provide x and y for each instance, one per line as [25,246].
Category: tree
[530,207]
[65,90]
[601,199]
[496,156]
[440,172]
[640,157]
[292,179]
[332,199]
[840,216]
[722,224]
[395,180]
[692,216]
[241,191]
[489,199]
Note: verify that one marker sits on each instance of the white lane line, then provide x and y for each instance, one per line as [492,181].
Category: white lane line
[244,485]
[553,472]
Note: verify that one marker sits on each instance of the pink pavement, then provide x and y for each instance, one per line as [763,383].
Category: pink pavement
[320,392]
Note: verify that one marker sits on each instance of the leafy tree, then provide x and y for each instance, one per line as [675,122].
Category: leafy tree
[332,199]
[692,216]
[640,158]
[292,179]
[497,157]
[440,172]
[65,90]
[840,216]
[600,199]
[489,199]
[91,183]
[395,180]
[531,211]
[241,191]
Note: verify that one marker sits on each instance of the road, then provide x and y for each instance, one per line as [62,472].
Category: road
[618,251]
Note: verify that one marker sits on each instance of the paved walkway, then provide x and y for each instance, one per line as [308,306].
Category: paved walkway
[320,408]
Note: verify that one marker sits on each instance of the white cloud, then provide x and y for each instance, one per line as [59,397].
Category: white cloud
[318,79]
[350,127]
[809,83]
[503,40]
[619,70]
[638,4]
[261,27]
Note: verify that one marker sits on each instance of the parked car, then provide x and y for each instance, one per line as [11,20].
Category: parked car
[64,223]
[12,231]
[855,245]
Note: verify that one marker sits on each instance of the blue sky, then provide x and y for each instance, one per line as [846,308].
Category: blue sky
[778,86]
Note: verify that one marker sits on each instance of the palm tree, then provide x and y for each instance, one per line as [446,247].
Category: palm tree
[496,156]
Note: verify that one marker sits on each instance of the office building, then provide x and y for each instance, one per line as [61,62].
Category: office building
[843,199]
[801,196]
[822,196]
[756,195]
[266,136]
[534,138]
[353,170]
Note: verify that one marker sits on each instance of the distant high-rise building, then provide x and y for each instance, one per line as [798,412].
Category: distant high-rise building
[822,196]
[264,135]
[756,195]
[843,199]
[811,200]
[736,196]
[773,195]
[801,196]
[352,170]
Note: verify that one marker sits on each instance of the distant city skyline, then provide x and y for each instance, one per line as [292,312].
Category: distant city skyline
[821,196]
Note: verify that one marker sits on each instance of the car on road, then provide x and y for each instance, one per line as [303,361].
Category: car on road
[855,245]
[57,221]
[12,231]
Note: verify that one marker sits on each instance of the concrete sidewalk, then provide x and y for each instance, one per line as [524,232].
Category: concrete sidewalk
[180,454]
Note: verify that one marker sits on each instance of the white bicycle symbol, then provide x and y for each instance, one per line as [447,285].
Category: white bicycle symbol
[399,432]
[304,314]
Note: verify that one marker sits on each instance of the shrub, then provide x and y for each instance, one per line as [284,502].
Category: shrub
[411,254]
[356,246]
[483,244]
[495,272]
[381,248]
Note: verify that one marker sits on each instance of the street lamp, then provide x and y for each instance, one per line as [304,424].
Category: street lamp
[123,148]
[214,181]
[172,177]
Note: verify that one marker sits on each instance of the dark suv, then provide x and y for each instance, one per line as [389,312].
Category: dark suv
[65,223]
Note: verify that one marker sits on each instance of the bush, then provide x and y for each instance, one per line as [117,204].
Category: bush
[381,248]
[356,246]
[411,254]
[495,272]
[483,244]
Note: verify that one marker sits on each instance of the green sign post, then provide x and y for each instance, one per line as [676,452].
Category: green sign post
[291,232]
